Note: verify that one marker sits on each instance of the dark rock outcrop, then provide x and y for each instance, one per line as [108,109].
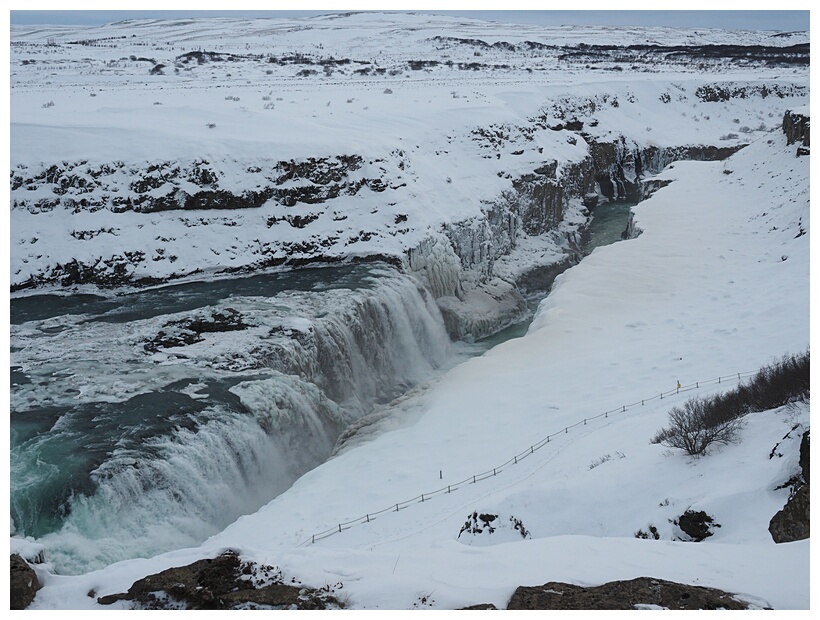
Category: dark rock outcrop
[543,206]
[650,186]
[223,582]
[797,128]
[188,185]
[696,524]
[632,594]
[23,583]
[189,331]
[804,456]
[792,523]
[620,166]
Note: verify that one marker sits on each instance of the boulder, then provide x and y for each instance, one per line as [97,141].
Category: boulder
[797,128]
[23,583]
[698,525]
[223,582]
[804,456]
[792,523]
[640,593]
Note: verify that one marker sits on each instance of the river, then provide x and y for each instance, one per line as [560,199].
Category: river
[149,420]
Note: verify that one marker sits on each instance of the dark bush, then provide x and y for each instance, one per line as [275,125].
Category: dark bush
[702,422]
[692,430]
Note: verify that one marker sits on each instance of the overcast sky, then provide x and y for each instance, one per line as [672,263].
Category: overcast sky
[730,19]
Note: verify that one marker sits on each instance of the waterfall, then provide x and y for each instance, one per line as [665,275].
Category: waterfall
[97,482]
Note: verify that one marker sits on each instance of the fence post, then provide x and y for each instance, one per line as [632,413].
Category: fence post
[624,408]
[397,507]
[515,458]
[313,539]
[340,528]
[422,498]
[368,518]
[493,471]
[473,479]
[448,488]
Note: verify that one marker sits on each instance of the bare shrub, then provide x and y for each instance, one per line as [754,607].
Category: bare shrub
[718,419]
[691,429]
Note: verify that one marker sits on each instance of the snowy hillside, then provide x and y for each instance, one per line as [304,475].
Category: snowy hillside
[337,136]
[468,156]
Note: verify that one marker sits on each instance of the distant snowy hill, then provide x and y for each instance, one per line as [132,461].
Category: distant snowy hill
[337,136]
[469,156]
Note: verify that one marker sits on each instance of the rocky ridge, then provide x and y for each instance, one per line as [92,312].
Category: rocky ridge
[455,262]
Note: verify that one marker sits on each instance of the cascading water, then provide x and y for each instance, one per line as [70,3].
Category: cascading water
[149,421]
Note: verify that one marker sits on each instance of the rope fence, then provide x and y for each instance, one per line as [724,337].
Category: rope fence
[490,473]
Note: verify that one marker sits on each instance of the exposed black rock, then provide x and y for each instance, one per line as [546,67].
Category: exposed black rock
[190,330]
[697,524]
[793,522]
[805,456]
[797,128]
[223,582]
[631,594]
[23,583]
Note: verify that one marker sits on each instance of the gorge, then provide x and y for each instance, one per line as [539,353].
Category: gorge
[260,258]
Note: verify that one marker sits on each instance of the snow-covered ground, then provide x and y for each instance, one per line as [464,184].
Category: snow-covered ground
[716,284]
[95,136]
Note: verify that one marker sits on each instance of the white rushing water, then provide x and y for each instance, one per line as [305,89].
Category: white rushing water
[149,421]
[134,431]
